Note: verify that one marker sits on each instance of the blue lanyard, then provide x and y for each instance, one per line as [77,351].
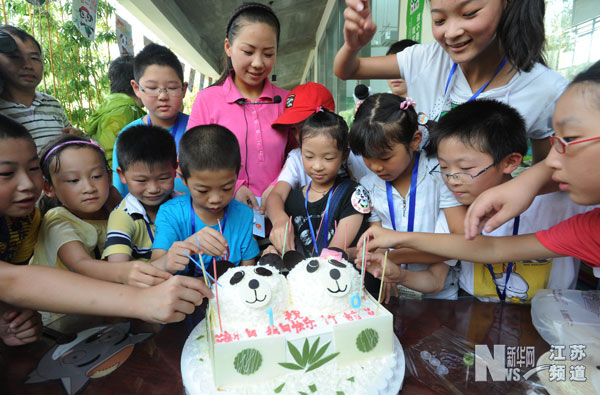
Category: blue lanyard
[476,94]
[323,224]
[174,129]
[149,231]
[412,196]
[502,295]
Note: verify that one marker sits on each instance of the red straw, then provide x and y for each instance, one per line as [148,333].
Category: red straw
[337,237]
[219,222]
[364,270]
[217,293]
[319,231]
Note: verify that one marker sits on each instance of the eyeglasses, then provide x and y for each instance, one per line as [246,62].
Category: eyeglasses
[155,92]
[461,176]
[560,145]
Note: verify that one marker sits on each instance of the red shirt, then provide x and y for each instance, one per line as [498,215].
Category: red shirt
[578,236]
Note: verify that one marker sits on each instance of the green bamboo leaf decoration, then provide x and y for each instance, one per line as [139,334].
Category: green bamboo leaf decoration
[291,366]
[296,354]
[313,351]
[278,389]
[321,352]
[322,362]
[312,388]
[305,352]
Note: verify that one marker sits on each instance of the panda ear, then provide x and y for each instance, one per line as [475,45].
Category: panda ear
[291,259]
[237,277]
[273,260]
[312,265]
[223,266]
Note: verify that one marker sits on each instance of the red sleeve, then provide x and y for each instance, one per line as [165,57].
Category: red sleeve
[578,236]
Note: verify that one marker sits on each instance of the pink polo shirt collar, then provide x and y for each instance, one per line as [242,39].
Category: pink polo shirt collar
[232,94]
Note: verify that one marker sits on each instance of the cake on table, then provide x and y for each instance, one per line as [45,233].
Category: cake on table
[315,331]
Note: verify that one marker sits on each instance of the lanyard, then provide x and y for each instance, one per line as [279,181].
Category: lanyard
[324,223]
[476,94]
[149,231]
[174,129]
[412,196]
[502,295]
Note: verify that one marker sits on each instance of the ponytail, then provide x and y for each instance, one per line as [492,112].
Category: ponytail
[521,33]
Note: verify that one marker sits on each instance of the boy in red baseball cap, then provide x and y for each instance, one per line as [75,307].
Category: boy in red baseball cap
[300,103]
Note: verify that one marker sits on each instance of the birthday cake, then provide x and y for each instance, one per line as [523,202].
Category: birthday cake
[315,331]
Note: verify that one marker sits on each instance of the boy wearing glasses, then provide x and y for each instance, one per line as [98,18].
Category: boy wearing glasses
[158,83]
[479,144]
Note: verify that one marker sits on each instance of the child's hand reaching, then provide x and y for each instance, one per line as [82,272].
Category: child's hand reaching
[177,257]
[173,299]
[211,242]
[359,27]
[20,326]
[246,196]
[380,237]
[143,274]
[277,236]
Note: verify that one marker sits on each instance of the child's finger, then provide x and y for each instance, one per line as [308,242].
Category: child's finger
[195,288]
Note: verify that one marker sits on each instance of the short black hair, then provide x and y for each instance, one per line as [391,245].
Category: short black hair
[65,141]
[590,81]
[20,34]
[400,46]
[208,147]
[11,129]
[154,54]
[487,125]
[327,123]
[146,144]
[379,123]
[120,74]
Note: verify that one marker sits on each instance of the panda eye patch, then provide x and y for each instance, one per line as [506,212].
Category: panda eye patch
[312,266]
[337,263]
[236,278]
[261,271]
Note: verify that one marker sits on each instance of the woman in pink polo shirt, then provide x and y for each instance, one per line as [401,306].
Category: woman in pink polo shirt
[247,103]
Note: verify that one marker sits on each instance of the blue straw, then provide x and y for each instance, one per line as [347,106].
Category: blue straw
[197,264]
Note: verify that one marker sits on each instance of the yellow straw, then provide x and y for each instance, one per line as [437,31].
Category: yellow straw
[381,285]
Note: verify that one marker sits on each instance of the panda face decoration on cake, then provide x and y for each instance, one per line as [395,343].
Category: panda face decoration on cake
[252,285]
[332,275]
[249,291]
[323,284]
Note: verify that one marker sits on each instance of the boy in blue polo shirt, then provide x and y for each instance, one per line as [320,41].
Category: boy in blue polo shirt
[206,220]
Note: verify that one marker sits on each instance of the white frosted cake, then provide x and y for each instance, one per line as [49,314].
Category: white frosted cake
[323,337]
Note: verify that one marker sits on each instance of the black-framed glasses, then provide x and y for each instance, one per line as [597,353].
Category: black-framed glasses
[155,92]
[461,176]
[560,145]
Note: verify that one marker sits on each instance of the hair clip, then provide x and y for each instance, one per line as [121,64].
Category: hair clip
[408,102]
[319,109]
[422,119]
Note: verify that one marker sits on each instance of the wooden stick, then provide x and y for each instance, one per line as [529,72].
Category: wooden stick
[381,285]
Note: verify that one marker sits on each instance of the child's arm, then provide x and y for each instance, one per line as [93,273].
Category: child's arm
[455,218]
[483,249]
[50,289]
[279,218]
[359,29]
[501,203]
[19,326]
[351,224]
[74,256]
[431,280]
